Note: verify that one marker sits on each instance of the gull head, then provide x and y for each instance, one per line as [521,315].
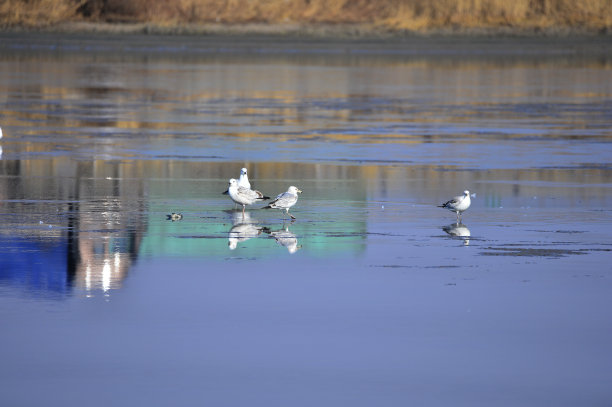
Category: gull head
[232,182]
[293,190]
[243,171]
[466,192]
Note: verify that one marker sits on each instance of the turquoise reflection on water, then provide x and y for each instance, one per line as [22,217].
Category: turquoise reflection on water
[211,227]
[261,234]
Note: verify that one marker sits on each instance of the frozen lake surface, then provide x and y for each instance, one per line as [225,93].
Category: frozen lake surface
[374,295]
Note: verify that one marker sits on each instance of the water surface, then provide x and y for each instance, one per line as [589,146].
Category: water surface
[374,294]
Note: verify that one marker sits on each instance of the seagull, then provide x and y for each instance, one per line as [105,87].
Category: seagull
[243,181]
[0,132]
[244,196]
[458,204]
[285,200]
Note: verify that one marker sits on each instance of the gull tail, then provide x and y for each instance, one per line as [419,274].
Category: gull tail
[226,192]
[265,198]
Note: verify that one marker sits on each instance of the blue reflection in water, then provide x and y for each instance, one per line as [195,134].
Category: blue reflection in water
[37,267]
[81,259]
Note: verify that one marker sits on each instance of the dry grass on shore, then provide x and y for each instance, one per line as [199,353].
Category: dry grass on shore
[36,13]
[416,15]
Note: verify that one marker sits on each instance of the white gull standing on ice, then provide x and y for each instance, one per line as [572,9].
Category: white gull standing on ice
[244,196]
[458,204]
[285,200]
[243,181]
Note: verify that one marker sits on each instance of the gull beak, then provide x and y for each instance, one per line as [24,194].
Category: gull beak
[299,191]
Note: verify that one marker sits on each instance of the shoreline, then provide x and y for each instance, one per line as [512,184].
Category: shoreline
[290,39]
[357,31]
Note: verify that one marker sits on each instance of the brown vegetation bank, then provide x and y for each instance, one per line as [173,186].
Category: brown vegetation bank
[423,16]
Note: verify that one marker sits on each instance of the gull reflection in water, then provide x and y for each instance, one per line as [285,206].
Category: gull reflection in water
[244,228]
[458,230]
[286,239]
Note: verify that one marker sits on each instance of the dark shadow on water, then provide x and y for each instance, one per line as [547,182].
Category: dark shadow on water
[531,252]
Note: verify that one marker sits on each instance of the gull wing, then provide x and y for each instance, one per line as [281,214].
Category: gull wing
[453,202]
[284,200]
[250,194]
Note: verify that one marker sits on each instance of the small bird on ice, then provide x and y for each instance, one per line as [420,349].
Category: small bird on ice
[174,216]
[285,200]
[458,204]
[244,196]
